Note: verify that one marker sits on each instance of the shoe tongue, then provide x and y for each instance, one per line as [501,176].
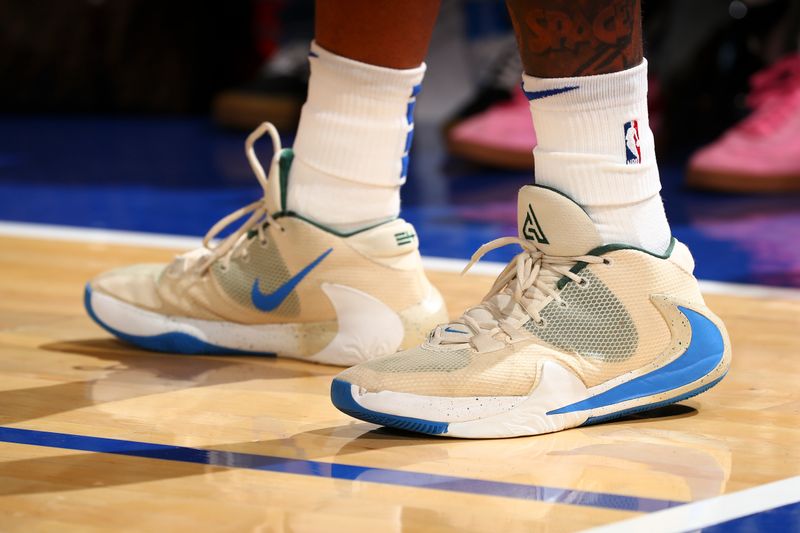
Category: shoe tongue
[279,181]
[557,225]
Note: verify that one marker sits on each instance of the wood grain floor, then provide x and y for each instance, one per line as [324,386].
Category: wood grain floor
[61,373]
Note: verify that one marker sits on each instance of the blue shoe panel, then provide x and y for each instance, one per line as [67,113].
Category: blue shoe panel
[648,407]
[342,398]
[704,353]
[175,342]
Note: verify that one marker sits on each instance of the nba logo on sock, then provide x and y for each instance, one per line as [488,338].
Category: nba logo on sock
[633,154]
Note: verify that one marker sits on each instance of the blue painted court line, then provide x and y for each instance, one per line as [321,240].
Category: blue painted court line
[384,476]
[783,518]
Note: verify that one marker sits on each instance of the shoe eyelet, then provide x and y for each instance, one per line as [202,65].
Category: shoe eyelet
[541,323]
[264,244]
[563,303]
[607,261]
[223,268]
[583,283]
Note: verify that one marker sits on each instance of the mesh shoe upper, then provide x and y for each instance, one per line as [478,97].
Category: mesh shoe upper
[278,258]
[598,318]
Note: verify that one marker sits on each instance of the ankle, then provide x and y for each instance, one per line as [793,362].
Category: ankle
[351,151]
[641,224]
[595,145]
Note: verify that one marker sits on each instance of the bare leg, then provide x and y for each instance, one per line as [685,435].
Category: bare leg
[392,34]
[561,38]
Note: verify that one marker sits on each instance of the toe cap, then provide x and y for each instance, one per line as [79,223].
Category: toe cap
[137,285]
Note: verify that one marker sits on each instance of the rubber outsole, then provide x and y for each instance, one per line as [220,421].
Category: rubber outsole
[633,410]
[342,398]
[173,342]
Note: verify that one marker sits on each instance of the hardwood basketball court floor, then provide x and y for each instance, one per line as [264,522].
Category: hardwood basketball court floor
[97,435]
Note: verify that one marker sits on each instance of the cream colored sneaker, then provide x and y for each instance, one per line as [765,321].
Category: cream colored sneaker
[573,332]
[280,284]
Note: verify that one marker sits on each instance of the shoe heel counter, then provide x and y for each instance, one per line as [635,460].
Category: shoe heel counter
[682,257]
[393,244]
[419,319]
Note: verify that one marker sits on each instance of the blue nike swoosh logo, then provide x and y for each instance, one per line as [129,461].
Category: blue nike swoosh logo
[535,95]
[704,352]
[271,301]
[451,330]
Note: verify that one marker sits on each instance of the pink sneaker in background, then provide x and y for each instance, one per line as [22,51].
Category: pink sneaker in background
[502,136]
[762,152]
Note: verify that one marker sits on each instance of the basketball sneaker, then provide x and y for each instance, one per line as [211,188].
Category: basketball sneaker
[279,284]
[572,332]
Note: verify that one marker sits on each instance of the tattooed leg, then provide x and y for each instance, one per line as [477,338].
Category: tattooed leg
[559,38]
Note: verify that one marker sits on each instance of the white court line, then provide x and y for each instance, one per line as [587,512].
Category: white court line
[704,513]
[438,264]
[96,235]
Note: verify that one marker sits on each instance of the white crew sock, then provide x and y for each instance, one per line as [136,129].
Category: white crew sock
[351,150]
[587,130]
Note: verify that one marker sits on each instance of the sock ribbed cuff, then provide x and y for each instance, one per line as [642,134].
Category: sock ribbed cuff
[358,120]
[340,204]
[594,138]
[371,79]
[587,93]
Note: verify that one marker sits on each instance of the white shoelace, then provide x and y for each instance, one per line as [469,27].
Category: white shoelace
[258,211]
[529,279]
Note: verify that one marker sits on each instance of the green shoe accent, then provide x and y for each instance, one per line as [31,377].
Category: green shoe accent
[404,237]
[531,230]
[606,248]
[323,227]
[600,250]
[284,164]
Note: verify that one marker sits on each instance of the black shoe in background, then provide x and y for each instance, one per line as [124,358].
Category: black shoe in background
[276,95]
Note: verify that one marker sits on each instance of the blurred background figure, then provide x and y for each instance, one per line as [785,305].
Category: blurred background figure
[125,56]
[278,89]
[702,56]
[129,115]
[762,152]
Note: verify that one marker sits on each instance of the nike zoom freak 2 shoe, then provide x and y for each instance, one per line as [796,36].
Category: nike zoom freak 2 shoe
[573,332]
[280,284]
